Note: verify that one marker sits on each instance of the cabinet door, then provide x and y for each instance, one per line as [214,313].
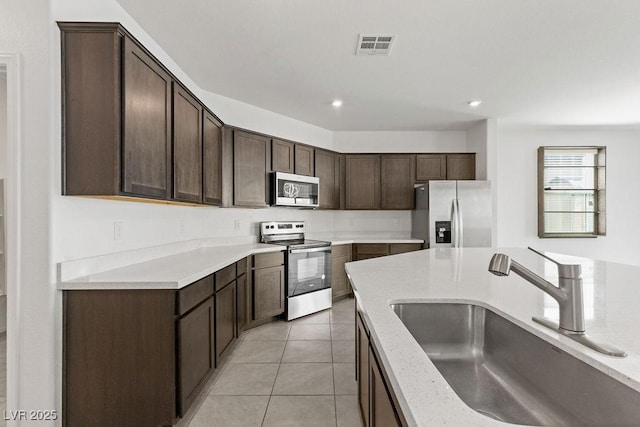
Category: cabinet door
[196,354]
[396,181]
[339,283]
[268,292]
[281,156]
[187,146]
[251,158]
[241,317]
[212,156]
[382,412]
[431,167]
[362,181]
[362,370]
[327,169]
[147,125]
[304,160]
[225,318]
[461,166]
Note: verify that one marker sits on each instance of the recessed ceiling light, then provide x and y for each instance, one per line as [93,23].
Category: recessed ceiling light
[474,103]
[337,103]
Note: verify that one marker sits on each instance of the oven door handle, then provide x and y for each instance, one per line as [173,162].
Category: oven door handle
[320,249]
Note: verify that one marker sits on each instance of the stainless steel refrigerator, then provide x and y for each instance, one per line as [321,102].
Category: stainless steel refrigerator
[453,214]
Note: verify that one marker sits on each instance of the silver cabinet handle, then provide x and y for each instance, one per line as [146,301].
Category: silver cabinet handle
[321,249]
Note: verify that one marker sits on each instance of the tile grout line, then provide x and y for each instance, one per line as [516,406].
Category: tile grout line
[333,371]
[276,378]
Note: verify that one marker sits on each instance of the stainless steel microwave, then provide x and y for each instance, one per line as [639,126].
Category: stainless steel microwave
[295,190]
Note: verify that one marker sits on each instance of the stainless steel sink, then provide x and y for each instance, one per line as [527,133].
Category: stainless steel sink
[506,373]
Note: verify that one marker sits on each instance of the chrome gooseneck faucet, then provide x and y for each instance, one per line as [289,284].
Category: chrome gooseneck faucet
[568,294]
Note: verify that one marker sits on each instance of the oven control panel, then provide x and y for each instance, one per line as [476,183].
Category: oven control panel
[281,227]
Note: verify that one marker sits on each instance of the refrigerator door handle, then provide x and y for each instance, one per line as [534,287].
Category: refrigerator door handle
[460,232]
[454,223]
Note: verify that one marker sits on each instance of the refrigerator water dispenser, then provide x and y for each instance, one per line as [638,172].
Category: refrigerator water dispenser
[443,232]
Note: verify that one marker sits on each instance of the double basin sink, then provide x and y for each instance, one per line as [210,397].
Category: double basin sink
[505,372]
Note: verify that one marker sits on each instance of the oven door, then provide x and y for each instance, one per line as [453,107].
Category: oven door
[309,270]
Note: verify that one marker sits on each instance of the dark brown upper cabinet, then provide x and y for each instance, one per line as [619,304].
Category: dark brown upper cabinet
[362,181]
[187,146]
[116,104]
[397,173]
[146,147]
[123,123]
[431,167]
[445,166]
[303,160]
[282,156]
[461,166]
[212,159]
[328,170]
[251,163]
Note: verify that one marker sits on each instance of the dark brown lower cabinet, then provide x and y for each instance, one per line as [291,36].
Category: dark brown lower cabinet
[340,255]
[225,318]
[119,358]
[400,248]
[362,370]
[241,311]
[142,357]
[374,250]
[382,412]
[196,352]
[268,292]
[375,401]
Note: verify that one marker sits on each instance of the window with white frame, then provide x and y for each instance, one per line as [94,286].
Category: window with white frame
[571,191]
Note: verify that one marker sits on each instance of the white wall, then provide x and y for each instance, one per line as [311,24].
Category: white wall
[25,28]
[3,121]
[517,193]
[3,151]
[400,142]
[476,140]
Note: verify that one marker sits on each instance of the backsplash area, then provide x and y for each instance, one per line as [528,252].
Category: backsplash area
[89,227]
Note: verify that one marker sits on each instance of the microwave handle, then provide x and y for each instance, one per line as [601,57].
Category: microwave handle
[320,249]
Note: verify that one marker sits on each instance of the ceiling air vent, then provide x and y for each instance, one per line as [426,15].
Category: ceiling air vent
[375,44]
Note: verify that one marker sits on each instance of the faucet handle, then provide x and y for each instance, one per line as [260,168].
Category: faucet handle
[566,271]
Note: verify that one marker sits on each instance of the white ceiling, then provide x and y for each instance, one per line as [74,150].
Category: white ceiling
[532,62]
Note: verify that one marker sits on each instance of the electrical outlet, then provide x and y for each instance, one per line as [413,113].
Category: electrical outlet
[236,224]
[117,230]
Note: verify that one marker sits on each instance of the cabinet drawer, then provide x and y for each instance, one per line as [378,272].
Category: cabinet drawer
[341,250]
[225,276]
[361,257]
[194,294]
[268,260]
[372,249]
[241,267]
[400,248]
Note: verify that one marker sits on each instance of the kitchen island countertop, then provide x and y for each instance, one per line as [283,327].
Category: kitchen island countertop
[611,297]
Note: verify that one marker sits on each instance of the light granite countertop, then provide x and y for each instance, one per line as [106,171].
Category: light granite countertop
[611,296]
[178,265]
[168,272]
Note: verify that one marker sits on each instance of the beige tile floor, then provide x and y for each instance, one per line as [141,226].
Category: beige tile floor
[299,373]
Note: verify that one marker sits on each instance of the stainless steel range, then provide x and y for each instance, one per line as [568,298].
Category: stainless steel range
[308,264]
